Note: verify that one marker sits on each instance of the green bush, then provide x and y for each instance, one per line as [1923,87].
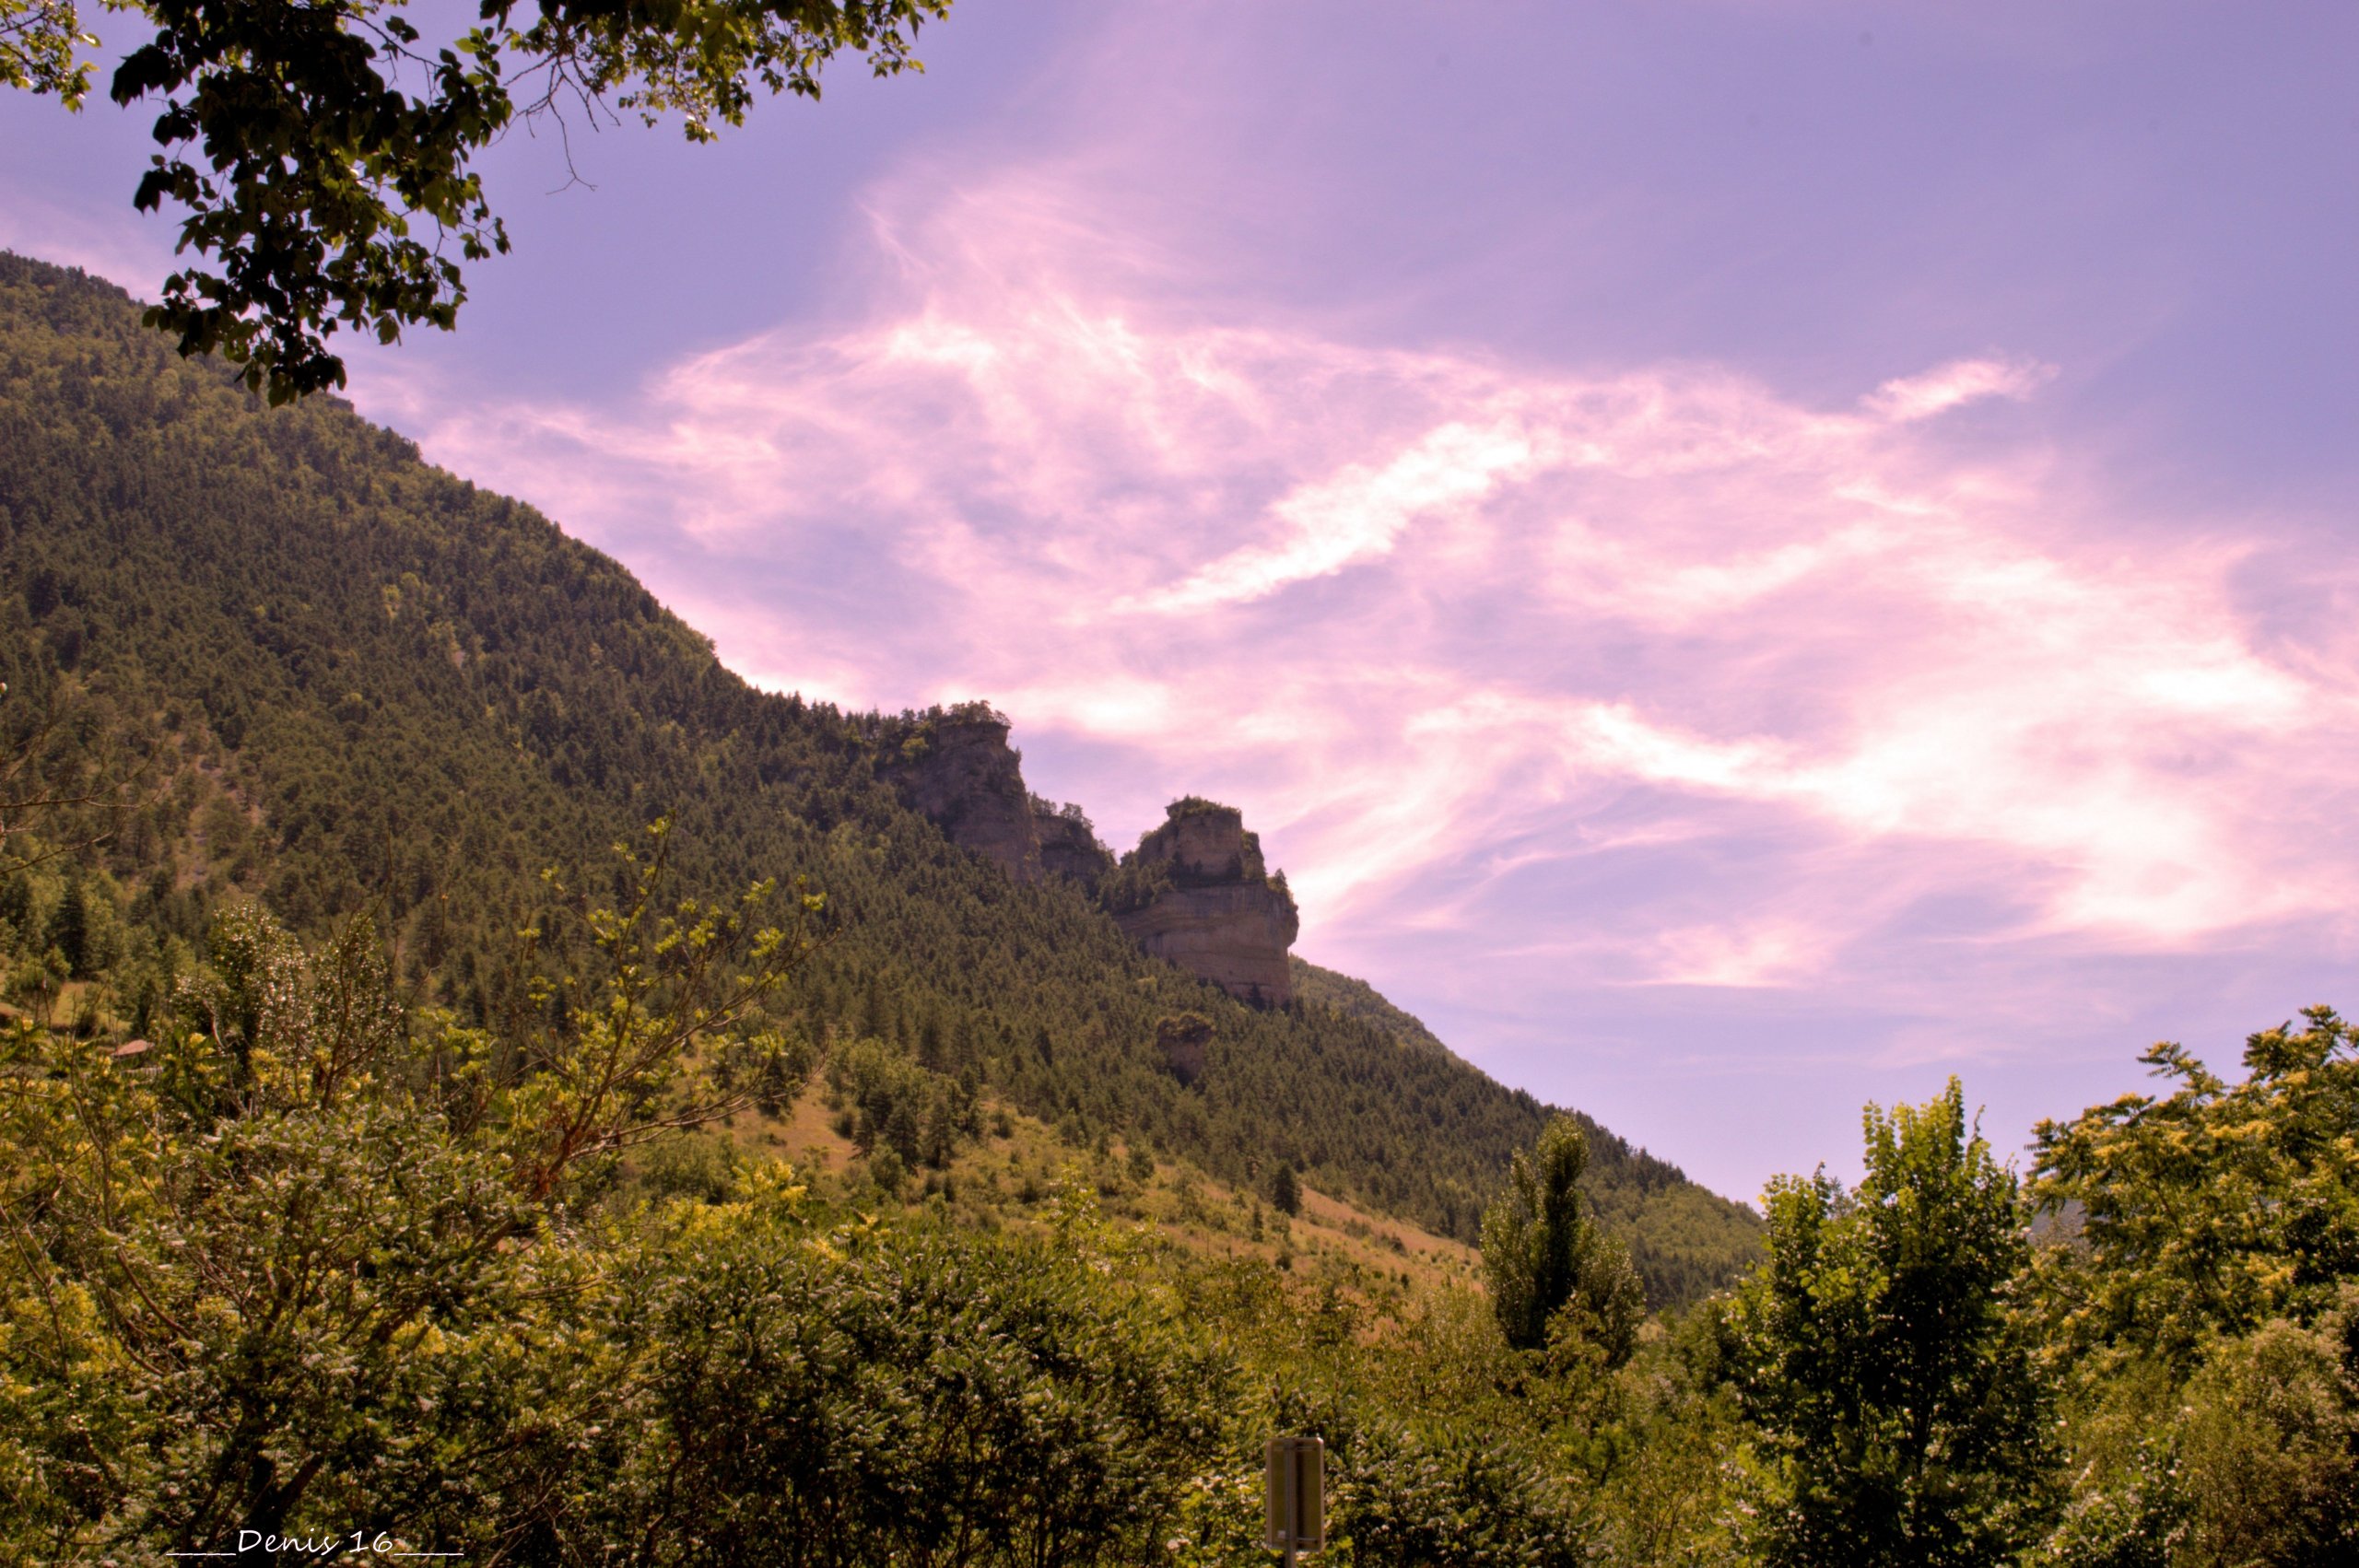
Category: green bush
[863,1394]
[1410,1502]
[2270,1448]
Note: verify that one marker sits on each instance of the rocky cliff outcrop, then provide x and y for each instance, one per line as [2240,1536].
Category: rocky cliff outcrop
[954,768]
[1196,892]
[1069,845]
[1185,1041]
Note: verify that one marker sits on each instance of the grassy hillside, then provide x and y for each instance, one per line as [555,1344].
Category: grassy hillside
[361,684]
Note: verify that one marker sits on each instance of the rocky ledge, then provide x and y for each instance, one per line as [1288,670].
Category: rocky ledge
[1196,892]
[1069,845]
[954,768]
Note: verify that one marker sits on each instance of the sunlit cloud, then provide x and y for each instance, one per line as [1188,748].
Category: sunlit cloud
[1358,515]
[1765,680]
[1948,386]
[1718,955]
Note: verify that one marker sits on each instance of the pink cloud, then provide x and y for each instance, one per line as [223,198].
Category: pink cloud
[1360,513]
[1951,386]
[1444,622]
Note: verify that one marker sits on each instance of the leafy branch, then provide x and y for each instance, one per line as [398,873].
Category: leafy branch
[668,1045]
[332,195]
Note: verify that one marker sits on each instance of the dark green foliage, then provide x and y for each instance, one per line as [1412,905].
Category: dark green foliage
[861,1397]
[310,1258]
[60,764]
[1134,885]
[2251,1458]
[82,930]
[2216,1207]
[302,1263]
[1551,1269]
[1881,1354]
[211,1322]
[1468,1503]
[2201,1287]
[702,1169]
[358,683]
[1318,988]
[2269,1445]
[1286,1191]
[896,1103]
[231,1252]
[307,1261]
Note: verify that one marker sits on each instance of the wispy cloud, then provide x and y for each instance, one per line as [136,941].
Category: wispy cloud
[1775,675]
[1360,514]
[1950,386]
[138,257]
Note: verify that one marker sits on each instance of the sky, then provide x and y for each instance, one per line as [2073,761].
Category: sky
[1747,556]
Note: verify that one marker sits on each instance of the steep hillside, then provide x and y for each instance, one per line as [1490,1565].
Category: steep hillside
[362,685]
[1337,992]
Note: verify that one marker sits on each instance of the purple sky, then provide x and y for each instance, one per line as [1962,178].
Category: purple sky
[1744,557]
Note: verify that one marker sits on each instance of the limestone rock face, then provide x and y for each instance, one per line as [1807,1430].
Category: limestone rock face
[958,772]
[1197,894]
[1195,891]
[1069,846]
[954,768]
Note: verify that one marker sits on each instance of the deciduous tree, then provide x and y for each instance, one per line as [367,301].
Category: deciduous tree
[1881,1354]
[2216,1207]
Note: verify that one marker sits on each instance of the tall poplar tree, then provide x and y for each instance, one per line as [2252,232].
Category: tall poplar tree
[1543,1255]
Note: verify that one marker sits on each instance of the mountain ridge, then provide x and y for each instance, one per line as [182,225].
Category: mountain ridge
[363,684]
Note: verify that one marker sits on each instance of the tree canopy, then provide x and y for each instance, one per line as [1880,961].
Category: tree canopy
[2217,1207]
[323,152]
[1901,1419]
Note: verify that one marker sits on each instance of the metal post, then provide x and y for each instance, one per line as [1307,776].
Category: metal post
[1293,1494]
[1295,1481]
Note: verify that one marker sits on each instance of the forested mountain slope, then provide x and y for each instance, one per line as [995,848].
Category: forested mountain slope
[362,685]
[1356,999]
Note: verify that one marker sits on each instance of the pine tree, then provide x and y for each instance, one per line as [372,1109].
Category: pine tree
[1543,1255]
[80,929]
